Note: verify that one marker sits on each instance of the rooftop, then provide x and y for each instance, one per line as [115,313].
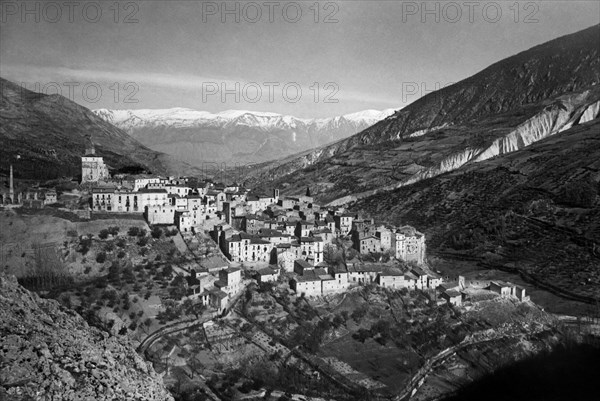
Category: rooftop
[452,293]
[303,263]
[267,271]
[311,239]
[365,268]
[418,271]
[501,283]
[340,268]
[152,191]
[367,237]
[268,232]
[391,272]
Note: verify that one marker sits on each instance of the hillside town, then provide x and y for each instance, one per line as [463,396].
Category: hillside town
[222,263]
[317,250]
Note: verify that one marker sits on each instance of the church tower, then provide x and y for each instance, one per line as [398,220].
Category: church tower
[93,168]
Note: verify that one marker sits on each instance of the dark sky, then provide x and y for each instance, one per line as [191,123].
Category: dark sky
[362,54]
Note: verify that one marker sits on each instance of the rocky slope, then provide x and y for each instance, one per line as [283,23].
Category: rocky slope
[235,136]
[48,352]
[504,108]
[535,210]
[50,133]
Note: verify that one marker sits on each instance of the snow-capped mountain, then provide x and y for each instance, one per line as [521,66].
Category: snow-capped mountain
[235,136]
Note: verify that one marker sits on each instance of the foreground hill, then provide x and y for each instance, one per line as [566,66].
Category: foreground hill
[50,133]
[234,136]
[49,352]
[502,109]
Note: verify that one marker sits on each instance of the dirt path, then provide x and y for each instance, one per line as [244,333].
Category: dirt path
[170,329]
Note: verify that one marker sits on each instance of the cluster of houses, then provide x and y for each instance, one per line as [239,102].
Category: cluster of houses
[456,291]
[322,279]
[169,201]
[216,291]
[274,234]
[296,228]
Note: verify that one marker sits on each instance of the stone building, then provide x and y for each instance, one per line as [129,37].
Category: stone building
[112,199]
[247,248]
[93,168]
[409,245]
[344,223]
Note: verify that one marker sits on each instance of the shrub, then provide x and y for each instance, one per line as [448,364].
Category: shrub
[142,241]
[121,254]
[362,335]
[113,230]
[156,232]
[121,243]
[114,273]
[133,231]
[87,269]
[103,234]
[358,314]
[101,257]
[84,245]
[141,232]
[101,283]
[128,275]
[167,271]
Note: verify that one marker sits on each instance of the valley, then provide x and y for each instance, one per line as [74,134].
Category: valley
[436,250]
[234,138]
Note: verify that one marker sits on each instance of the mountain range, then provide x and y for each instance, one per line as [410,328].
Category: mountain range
[504,108]
[235,137]
[44,137]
